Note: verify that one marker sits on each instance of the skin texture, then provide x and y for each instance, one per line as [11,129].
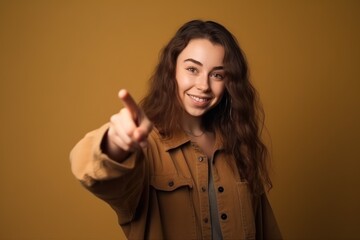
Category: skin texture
[200,78]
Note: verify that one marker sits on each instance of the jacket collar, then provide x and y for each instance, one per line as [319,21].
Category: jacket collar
[180,138]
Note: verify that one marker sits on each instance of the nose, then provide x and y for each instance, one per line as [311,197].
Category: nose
[202,82]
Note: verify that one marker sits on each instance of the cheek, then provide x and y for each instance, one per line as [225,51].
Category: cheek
[183,82]
[219,88]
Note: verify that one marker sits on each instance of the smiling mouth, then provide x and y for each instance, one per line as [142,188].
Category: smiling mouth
[199,99]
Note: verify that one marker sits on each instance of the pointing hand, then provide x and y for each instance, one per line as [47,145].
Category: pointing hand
[129,129]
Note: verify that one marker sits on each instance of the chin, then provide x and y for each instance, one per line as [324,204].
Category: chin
[196,113]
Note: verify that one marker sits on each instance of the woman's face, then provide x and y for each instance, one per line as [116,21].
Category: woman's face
[200,76]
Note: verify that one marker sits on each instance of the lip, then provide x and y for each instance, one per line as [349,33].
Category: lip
[199,100]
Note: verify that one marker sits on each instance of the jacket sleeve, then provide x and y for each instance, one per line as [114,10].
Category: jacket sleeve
[119,184]
[266,224]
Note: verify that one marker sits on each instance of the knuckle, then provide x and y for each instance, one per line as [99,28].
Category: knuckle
[111,133]
[123,110]
[129,131]
[114,118]
[123,145]
[127,141]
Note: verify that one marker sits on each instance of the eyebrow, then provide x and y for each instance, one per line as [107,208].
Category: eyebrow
[200,64]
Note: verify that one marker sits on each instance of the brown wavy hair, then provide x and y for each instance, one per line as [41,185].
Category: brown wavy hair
[238,117]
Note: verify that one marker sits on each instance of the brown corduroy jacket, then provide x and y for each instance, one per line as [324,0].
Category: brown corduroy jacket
[161,192]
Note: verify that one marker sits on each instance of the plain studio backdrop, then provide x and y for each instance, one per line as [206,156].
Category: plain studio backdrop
[63,62]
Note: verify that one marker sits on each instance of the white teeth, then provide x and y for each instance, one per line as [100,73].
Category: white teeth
[199,99]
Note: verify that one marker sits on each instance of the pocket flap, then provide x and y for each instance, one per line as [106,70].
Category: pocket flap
[170,182]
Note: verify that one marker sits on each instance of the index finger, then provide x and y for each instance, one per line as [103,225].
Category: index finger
[130,104]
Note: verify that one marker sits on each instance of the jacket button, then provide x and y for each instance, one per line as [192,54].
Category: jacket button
[171,183]
[200,159]
[203,189]
[220,189]
[206,220]
[223,216]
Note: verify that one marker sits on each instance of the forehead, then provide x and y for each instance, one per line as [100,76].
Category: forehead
[204,51]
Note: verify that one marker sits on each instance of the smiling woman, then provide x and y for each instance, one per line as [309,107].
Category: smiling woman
[199,76]
[188,161]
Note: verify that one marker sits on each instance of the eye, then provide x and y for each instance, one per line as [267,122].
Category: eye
[192,69]
[217,75]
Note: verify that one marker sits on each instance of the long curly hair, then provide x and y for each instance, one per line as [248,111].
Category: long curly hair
[238,116]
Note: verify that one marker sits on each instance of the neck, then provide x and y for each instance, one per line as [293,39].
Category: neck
[192,125]
[193,134]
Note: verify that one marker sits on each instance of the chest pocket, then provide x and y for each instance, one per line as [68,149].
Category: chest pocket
[173,200]
[172,203]
[170,172]
[169,183]
[171,192]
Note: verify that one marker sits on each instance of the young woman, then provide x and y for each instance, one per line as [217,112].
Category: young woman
[188,162]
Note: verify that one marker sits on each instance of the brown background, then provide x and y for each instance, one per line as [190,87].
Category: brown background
[62,63]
